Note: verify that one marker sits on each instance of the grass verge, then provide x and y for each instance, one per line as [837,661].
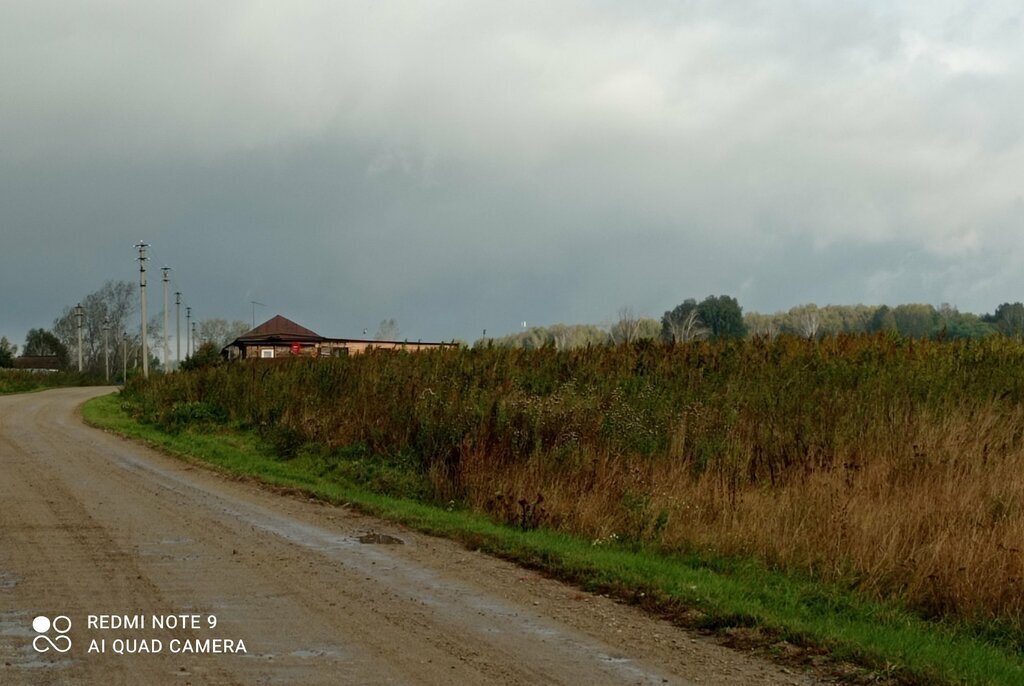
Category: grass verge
[796,619]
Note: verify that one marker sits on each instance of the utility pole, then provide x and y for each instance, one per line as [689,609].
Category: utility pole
[78,324]
[142,294]
[124,357]
[193,338]
[106,347]
[167,340]
[188,329]
[177,328]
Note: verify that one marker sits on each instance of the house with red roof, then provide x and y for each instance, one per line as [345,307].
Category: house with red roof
[280,337]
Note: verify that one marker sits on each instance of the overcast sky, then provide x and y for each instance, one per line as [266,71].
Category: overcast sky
[468,165]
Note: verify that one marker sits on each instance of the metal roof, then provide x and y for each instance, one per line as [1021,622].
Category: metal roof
[279,328]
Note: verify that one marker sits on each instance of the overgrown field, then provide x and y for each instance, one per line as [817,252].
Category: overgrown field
[894,467]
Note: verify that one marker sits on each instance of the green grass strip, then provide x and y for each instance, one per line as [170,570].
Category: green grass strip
[696,590]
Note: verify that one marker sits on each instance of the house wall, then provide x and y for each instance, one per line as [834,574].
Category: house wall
[254,351]
[358,347]
[330,348]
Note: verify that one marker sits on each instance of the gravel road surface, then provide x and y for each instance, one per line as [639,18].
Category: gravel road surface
[115,539]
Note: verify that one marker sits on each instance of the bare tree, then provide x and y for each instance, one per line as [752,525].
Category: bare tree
[114,302]
[219,331]
[683,323]
[562,336]
[627,329]
[807,320]
[766,325]
[387,331]
[1009,319]
[691,328]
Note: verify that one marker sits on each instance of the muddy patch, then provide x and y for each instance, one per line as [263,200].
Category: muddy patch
[380,539]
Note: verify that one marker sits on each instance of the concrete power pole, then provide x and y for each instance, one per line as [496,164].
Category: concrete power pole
[193,338]
[167,339]
[124,357]
[188,329]
[177,328]
[106,347]
[78,324]
[142,294]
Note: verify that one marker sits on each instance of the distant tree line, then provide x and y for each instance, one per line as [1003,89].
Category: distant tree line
[559,336]
[714,317]
[110,322]
[914,320]
[718,317]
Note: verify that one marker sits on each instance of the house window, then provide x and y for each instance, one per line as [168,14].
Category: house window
[267,352]
[340,352]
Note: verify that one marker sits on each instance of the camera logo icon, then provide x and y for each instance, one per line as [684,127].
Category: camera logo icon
[60,642]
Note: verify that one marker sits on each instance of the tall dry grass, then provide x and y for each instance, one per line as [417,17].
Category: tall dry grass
[937,521]
[892,466]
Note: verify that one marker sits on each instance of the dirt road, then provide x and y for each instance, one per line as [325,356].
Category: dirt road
[91,525]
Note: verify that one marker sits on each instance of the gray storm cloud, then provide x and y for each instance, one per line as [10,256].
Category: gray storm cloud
[468,165]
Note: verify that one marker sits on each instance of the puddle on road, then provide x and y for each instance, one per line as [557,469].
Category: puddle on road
[176,541]
[451,602]
[319,651]
[380,539]
[16,624]
[614,660]
[168,549]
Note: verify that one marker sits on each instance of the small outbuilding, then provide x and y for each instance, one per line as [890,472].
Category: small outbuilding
[280,337]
